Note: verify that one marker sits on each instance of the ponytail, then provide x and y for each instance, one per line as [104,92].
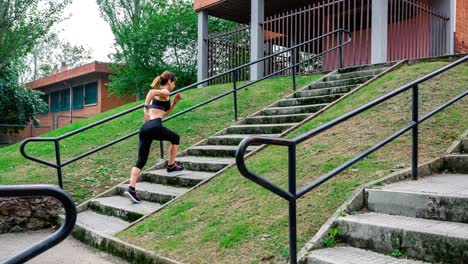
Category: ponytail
[156,82]
[163,79]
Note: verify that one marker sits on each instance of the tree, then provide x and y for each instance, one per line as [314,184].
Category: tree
[50,53]
[152,36]
[18,104]
[22,24]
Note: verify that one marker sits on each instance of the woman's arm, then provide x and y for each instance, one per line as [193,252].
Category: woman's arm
[177,98]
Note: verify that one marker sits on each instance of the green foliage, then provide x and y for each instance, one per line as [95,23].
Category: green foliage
[23,22]
[396,254]
[331,239]
[152,36]
[50,53]
[18,104]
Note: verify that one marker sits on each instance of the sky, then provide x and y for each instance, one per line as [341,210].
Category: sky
[86,27]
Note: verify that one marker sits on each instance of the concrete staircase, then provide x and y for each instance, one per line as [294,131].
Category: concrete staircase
[110,212]
[424,220]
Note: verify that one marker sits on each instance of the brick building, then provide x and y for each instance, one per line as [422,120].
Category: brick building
[71,94]
[461,27]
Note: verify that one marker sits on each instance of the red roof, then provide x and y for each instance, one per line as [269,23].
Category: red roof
[93,67]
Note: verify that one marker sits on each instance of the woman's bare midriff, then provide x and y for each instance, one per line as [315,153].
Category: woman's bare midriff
[156,113]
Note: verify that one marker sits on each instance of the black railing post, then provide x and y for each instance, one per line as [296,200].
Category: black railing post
[59,163]
[234,90]
[292,204]
[293,62]
[161,149]
[340,49]
[414,158]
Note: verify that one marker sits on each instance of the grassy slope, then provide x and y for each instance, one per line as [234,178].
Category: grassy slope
[232,220]
[100,171]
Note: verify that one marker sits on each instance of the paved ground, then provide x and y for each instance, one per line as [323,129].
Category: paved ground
[69,251]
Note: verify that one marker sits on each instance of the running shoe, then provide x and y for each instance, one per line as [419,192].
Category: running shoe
[132,195]
[175,168]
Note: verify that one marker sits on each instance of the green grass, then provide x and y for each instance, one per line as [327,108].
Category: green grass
[232,220]
[102,170]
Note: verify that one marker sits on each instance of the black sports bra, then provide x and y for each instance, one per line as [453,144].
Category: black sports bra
[161,105]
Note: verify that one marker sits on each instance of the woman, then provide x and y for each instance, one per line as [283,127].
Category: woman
[157,106]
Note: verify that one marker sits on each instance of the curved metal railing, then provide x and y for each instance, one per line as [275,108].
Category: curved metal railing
[291,195]
[55,238]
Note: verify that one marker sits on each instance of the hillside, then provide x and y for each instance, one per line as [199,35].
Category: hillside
[232,220]
[98,172]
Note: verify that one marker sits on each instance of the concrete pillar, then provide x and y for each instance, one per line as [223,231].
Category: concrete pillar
[202,64]
[256,37]
[447,8]
[379,31]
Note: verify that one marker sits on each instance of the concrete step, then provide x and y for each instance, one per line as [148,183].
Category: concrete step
[351,255]
[153,192]
[309,100]
[441,197]
[278,119]
[309,109]
[366,67]
[259,129]
[216,150]
[325,91]
[101,224]
[120,206]
[343,82]
[423,239]
[185,178]
[233,139]
[209,164]
[356,74]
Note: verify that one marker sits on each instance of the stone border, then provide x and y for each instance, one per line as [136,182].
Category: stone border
[458,146]
[119,248]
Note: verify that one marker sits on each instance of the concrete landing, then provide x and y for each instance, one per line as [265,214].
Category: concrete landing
[444,184]
[69,251]
[350,255]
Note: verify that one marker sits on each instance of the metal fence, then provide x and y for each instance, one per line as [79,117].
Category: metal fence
[415,30]
[228,50]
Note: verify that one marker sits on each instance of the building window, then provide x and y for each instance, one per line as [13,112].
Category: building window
[78,97]
[82,95]
[45,98]
[65,100]
[55,102]
[91,93]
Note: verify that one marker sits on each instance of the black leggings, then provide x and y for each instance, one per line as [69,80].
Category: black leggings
[153,130]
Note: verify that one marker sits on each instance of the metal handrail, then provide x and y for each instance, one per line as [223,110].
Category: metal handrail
[55,238]
[292,194]
[58,164]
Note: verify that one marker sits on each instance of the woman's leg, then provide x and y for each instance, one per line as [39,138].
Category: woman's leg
[171,136]
[143,153]
[134,174]
[172,154]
